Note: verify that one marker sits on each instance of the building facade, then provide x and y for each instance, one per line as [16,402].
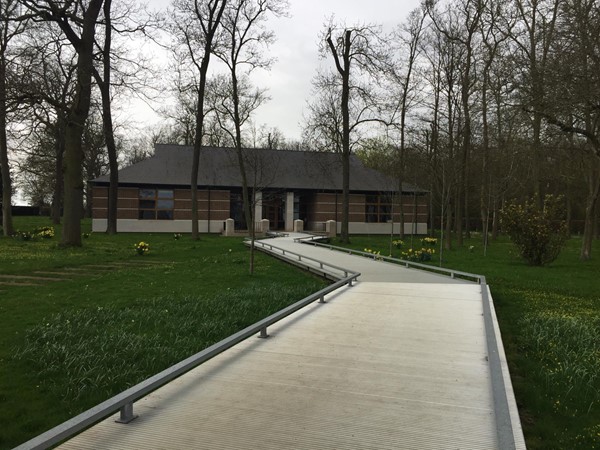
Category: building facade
[154,195]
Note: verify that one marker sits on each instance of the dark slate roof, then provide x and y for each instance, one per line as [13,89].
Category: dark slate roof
[171,165]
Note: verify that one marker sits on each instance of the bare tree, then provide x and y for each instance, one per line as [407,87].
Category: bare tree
[181,115]
[360,58]
[460,26]
[9,29]
[47,87]
[124,19]
[443,134]
[195,26]
[408,36]
[572,100]
[78,23]
[533,35]
[245,38]
[104,83]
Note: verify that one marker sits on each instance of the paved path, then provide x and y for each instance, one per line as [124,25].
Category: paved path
[398,361]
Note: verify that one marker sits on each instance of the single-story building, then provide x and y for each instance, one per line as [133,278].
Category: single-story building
[155,194]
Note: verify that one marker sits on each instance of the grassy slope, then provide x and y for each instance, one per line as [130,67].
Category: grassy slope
[66,345]
[550,321]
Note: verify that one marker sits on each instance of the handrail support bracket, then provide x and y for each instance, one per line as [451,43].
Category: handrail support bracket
[126,414]
[263,333]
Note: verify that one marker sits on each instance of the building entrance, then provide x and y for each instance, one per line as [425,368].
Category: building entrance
[273,205]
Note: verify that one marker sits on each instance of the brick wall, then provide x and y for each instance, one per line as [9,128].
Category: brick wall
[324,207]
[128,203]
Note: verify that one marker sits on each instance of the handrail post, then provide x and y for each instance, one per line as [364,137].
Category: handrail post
[126,413]
[322,299]
[263,333]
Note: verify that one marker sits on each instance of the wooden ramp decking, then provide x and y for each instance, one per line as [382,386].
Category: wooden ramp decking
[394,364]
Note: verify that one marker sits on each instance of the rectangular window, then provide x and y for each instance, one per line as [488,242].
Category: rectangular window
[236,210]
[156,204]
[378,208]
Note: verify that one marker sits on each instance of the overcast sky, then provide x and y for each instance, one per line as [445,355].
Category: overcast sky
[296,50]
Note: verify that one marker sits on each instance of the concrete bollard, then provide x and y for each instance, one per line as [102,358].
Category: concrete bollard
[229,227]
[264,225]
[331,228]
[298,226]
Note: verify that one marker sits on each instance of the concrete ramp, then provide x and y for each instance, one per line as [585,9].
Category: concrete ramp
[380,365]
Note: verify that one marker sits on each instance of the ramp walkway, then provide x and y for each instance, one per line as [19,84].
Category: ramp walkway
[397,361]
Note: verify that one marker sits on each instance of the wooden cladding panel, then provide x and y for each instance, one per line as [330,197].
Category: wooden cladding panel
[131,193]
[100,202]
[127,214]
[219,215]
[100,192]
[99,213]
[127,203]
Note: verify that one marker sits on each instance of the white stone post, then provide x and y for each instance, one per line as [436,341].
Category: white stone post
[258,209]
[229,227]
[264,225]
[289,211]
[298,226]
[331,228]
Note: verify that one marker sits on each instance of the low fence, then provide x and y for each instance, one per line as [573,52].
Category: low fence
[500,378]
[312,240]
[306,262]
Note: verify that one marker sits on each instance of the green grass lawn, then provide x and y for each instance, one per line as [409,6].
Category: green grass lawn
[550,323]
[79,325]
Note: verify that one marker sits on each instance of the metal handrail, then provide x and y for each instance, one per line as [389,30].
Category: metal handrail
[311,237]
[442,270]
[504,427]
[300,257]
[123,402]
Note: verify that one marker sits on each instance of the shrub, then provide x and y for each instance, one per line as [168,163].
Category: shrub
[429,241]
[24,235]
[376,254]
[398,243]
[422,255]
[539,234]
[141,248]
[44,232]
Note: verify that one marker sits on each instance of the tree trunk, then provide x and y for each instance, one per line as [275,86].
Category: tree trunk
[495,224]
[248,205]
[109,136]
[448,233]
[536,154]
[73,182]
[57,196]
[400,211]
[590,213]
[73,203]
[7,222]
[210,30]
[483,192]
[343,69]
[345,236]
